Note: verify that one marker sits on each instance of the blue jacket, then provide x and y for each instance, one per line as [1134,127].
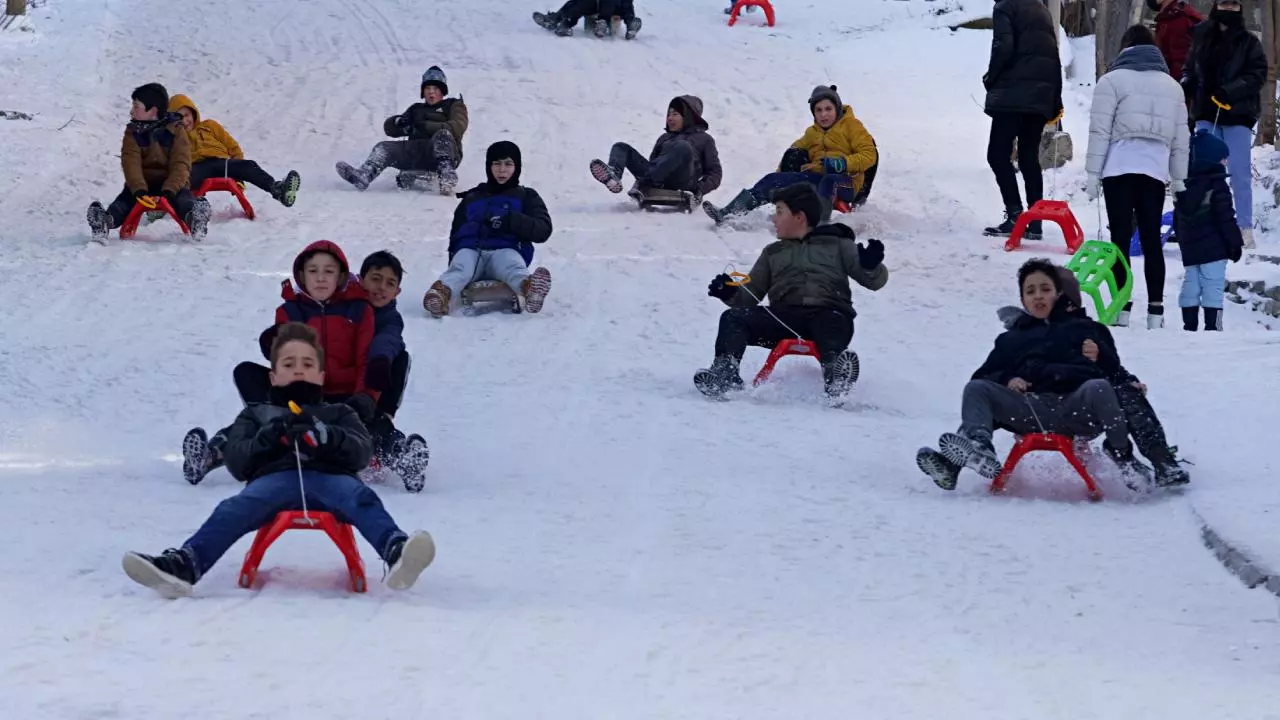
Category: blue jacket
[388,332]
[519,212]
[1204,220]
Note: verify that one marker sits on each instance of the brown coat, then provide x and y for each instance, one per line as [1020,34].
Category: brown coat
[158,155]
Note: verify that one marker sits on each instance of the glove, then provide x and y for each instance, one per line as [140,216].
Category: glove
[1235,255]
[721,289]
[273,434]
[793,160]
[402,122]
[377,374]
[871,255]
[364,405]
[500,222]
[171,197]
[306,431]
[1091,188]
[834,165]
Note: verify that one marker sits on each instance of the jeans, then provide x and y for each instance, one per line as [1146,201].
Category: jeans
[827,184]
[672,170]
[1204,285]
[350,500]
[1092,409]
[1027,129]
[468,265]
[1140,196]
[1239,140]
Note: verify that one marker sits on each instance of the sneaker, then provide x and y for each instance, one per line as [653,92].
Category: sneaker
[99,222]
[195,455]
[1004,229]
[1136,475]
[841,374]
[408,557]
[977,454]
[410,463]
[942,471]
[436,301]
[606,175]
[1122,317]
[172,574]
[286,191]
[1154,322]
[633,27]
[198,219]
[535,289]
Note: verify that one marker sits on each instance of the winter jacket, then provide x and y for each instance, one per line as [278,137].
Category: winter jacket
[344,322]
[812,272]
[706,157]
[424,121]
[1025,72]
[847,139]
[1136,99]
[1229,65]
[209,140]
[247,456]
[155,153]
[524,217]
[388,333]
[1204,219]
[1048,354]
[1108,361]
[1173,34]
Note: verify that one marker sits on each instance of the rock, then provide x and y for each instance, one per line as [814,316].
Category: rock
[1273,292]
[15,115]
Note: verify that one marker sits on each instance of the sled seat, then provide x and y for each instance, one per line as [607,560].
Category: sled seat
[339,532]
[1055,211]
[782,349]
[743,4]
[224,184]
[1045,441]
[130,226]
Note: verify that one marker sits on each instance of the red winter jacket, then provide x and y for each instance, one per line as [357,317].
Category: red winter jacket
[1173,34]
[344,323]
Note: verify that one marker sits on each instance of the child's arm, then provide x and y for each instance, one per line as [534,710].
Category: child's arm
[534,223]
[864,149]
[350,446]
[388,342]
[1102,114]
[459,219]
[179,163]
[395,127]
[1224,217]
[131,162]
[872,279]
[250,445]
[459,120]
[712,173]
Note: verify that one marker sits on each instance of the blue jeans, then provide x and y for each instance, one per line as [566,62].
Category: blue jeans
[345,496]
[1239,140]
[1204,285]
[469,265]
[827,184]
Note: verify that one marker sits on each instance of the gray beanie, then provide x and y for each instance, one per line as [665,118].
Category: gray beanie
[826,92]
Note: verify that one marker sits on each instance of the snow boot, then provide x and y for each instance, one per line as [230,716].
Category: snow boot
[720,378]
[410,462]
[547,20]
[600,27]
[408,557]
[448,177]
[1135,474]
[286,191]
[633,27]
[1212,318]
[367,172]
[840,374]
[99,221]
[942,471]
[200,455]
[534,289]
[172,574]
[1191,318]
[1034,230]
[436,301]
[971,451]
[563,29]
[420,180]
[198,219]
[606,175]
[741,204]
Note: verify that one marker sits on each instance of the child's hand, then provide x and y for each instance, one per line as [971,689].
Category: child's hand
[1019,385]
[1090,350]
[1142,387]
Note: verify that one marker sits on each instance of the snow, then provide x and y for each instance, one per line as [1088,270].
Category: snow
[610,544]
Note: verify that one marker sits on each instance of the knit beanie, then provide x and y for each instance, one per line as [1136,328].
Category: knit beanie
[153,95]
[826,92]
[801,198]
[503,149]
[1207,151]
[434,76]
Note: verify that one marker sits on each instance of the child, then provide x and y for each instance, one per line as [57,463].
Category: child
[388,372]
[266,445]
[805,275]
[685,157]
[156,158]
[214,153]
[494,228]
[429,156]
[562,21]
[1204,222]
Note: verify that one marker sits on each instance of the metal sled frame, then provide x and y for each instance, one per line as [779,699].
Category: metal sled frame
[660,197]
[492,293]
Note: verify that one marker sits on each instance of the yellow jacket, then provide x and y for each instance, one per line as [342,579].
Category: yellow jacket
[846,139]
[208,138]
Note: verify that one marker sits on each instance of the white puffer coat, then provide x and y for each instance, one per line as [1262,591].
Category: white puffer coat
[1138,99]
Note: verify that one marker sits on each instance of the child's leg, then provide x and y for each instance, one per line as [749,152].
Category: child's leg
[624,157]
[1189,297]
[389,401]
[461,271]
[120,207]
[205,169]
[1213,281]
[1239,140]
[240,515]
[183,202]
[253,381]
[250,172]
[353,502]
[507,266]
[1144,426]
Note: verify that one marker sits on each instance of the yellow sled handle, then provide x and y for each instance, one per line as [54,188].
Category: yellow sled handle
[293,407]
[745,278]
[1220,104]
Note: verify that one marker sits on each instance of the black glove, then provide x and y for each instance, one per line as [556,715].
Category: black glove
[793,160]
[402,122]
[1235,255]
[364,405]
[871,255]
[139,194]
[306,431]
[721,289]
[500,223]
[273,434]
[171,196]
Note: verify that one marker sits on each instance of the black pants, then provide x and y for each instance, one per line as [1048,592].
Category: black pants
[425,154]
[1027,129]
[624,9]
[1139,197]
[124,202]
[389,400]
[241,170]
[1144,427]
[673,170]
[830,329]
[574,10]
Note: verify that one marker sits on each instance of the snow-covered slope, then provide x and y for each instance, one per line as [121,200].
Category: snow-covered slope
[611,544]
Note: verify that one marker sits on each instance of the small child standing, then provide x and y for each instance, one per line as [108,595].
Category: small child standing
[1204,221]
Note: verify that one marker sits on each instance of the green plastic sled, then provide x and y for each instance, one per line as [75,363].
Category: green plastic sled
[1092,265]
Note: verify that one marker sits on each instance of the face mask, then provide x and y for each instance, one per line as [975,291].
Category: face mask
[1229,18]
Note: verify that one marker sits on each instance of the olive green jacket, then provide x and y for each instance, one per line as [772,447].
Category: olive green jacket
[812,272]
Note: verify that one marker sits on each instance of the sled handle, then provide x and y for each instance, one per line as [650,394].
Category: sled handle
[745,278]
[1220,104]
[293,407]
[148,202]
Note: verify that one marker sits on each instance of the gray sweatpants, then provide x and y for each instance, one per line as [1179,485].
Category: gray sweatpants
[468,265]
[1091,410]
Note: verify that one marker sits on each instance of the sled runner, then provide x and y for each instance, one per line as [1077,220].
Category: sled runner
[485,296]
[339,532]
[653,198]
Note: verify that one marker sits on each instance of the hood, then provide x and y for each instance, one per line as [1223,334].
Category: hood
[328,246]
[498,151]
[179,102]
[1140,57]
[1012,316]
[690,108]
[1177,9]
[828,92]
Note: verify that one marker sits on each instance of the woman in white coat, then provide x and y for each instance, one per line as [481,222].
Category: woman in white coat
[1138,144]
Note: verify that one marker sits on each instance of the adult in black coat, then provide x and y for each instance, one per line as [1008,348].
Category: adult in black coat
[1024,93]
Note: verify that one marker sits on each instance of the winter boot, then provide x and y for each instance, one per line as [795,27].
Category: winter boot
[286,191]
[1005,229]
[408,557]
[606,175]
[743,203]
[198,219]
[942,471]
[1034,231]
[99,221]
[1135,474]
[1122,317]
[436,301]
[534,289]
[563,29]
[633,27]
[972,451]
[1212,318]
[547,21]
[366,173]
[720,378]
[171,574]
[1191,318]
[1155,316]
[1247,234]
[410,463]
[600,27]
[840,374]
[200,455]
[420,180]
[448,177]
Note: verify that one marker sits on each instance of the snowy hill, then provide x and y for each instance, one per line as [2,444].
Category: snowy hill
[611,545]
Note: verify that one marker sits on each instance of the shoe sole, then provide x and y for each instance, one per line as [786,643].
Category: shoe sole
[417,555]
[964,452]
[292,182]
[712,212]
[194,446]
[435,305]
[600,171]
[539,286]
[934,464]
[200,216]
[412,466]
[148,575]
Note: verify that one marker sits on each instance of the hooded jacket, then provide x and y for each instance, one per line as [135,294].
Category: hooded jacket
[420,122]
[1173,34]
[847,139]
[496,216]
[706,156]
[209,140]
[1024,74]
[1048,354]
[1229,65]
[1137,99]
[811,272]
[1204,218]
[249,456]
[156,152]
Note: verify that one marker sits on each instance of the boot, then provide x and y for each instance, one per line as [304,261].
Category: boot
[420,180]
[286,191]
[1034,231]
[633,27]
[436,301]
[1155,316]
[366,173]
[720,378]
[1212,318]
[600,27]
[840,374]
[742,204]
[171,574]
[100,223]
[535,289]
[1004,229]
[972,450]
[448,177]
[607,175]
[410,462]
[942,471]
[198,219]
[1136,475]
[200,455]
[547,20]
[1122,317]
[1247,234]
[1191,318]
[563,29]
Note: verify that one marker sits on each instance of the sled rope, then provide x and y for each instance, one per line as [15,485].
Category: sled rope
[297,455]
[1034,415]
[742,283]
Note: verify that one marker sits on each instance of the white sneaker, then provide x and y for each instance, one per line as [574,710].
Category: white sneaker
[1247,232]
[1122,318]
[418,552]
[1155,322]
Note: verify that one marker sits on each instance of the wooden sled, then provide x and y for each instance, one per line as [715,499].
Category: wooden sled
[486,296]
[654,198]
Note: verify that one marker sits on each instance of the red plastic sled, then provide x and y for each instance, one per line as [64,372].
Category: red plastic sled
[1055,211]
[1045,441]
[743,4]
[782,349]
[130,226]
[223,184]
[340,533]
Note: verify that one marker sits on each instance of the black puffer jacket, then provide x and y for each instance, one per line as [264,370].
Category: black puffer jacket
[249,456]
[1230,65]
[1204,220]
[1025,73]
[1049,354]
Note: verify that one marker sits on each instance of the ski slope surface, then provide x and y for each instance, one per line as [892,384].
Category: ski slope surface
[611,544]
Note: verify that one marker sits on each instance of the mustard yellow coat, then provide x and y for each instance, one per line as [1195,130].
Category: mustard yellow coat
[208,138]
[847,139]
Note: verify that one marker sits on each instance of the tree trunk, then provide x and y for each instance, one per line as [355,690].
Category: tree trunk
[15,7]
[1270,43]
[1101,36]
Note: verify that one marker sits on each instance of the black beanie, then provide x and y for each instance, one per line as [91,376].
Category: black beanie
[498,151]
[153,95]
[801,198]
